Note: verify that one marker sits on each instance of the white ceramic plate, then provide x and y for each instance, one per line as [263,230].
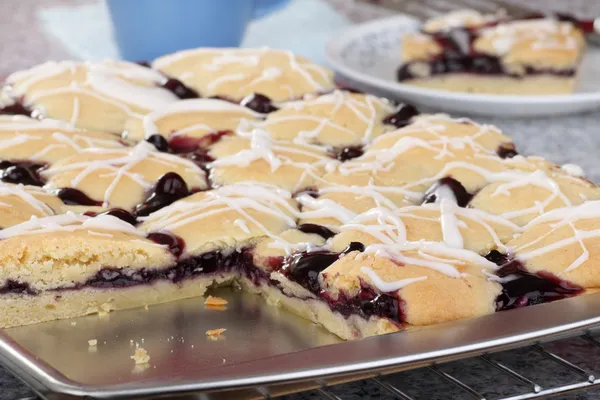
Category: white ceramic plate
[366,57]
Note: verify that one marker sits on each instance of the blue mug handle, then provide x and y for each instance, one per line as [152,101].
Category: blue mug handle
[264,7]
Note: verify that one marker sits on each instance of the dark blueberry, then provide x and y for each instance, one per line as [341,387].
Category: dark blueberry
[482,64]
[354,246]
[74,197]
[186,144]
[529,289]
[348,153]
[259,103]
[461,195]
[457,64]
[179,89]
[304,268]
[402,116]
[404,73]
[507,150]
[383,305]
[15,109]
[12,286]
[159,142]
[123,215]
[175,244]
[496,257]
[26,175]
[169,188]
[320,230]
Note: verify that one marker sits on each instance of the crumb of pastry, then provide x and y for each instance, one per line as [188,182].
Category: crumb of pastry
[105,308]
[215,333]
[146,307]
[92,342]
[140,356]
[215,301]
[73,323]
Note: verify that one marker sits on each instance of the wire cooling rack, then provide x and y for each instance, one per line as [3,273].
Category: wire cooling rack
[538,371]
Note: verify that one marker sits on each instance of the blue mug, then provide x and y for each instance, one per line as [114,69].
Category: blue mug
[146,29]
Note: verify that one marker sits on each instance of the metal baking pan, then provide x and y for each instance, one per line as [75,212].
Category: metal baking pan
[265,350]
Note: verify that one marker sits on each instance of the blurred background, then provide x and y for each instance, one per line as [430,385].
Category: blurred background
[39,30]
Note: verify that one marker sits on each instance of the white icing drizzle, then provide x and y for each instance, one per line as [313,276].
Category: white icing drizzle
[563,216]
[276,154]
[387,287]
[573,170]
[119,164]
[194,106]
[261,197]
[223,59]
[27,194]
[449,222]
[120,84]
[69,222]
[370,111]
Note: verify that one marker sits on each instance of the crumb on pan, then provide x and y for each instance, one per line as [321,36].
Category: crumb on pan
[92,342]
[105,308]
[215,301]
[215,333]
[140,356]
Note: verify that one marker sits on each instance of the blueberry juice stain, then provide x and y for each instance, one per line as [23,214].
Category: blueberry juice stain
[528,288]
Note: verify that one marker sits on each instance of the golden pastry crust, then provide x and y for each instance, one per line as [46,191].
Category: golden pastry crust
[447,223]
[192,118]
[231,217]
[541,187]
[236,73]
[542,43]
[63,250]
[415,157]
[255,156]
[97,96]
[335,119]
[19,203]
[428,296]
[563,242]
[47,141]
[122,177]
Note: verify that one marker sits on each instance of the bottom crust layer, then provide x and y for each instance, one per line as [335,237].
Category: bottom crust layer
[542,84]
[17,310]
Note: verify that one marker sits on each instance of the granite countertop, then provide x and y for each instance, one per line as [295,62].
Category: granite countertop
[571,139]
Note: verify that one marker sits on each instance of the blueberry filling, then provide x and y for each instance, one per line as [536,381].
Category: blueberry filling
[259,103]
[15,109]
[348,153]
[123,215]
[368,303]
[75,197]
[320,230]
[304,267]
[186,144]
[459,56]
[507,150]
[528,288]
[438,191]
[12,286]
[24,172]
[159,142]
[169,188]
[402,116]
[179,89]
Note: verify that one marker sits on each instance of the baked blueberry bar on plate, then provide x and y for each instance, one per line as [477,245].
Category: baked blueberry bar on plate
[466,51]
[126,185]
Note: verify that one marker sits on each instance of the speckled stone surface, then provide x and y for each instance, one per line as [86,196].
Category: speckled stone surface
[573,139]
